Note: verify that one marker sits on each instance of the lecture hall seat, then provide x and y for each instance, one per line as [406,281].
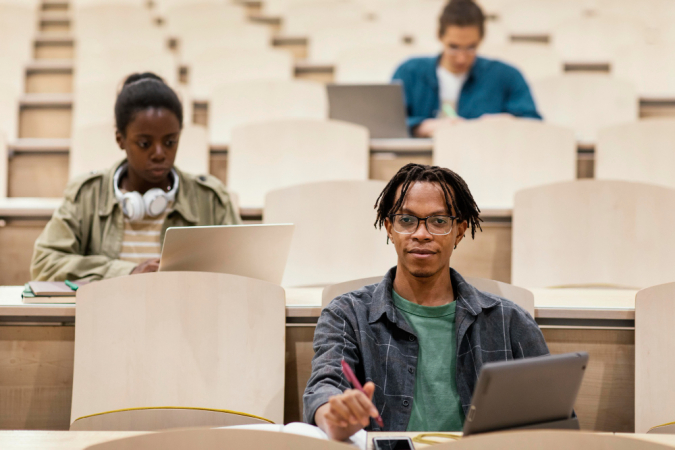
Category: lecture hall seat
[161,340]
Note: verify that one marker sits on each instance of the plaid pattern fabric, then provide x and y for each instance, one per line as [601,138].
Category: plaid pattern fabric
[365,329]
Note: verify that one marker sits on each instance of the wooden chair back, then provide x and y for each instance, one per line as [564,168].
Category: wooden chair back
[640,151]
[499,156]
[370,65]
[272,155]
[244,102]
[593,233]
[586,102]
[180,339]
[334,238]
[535,61]
[654,359]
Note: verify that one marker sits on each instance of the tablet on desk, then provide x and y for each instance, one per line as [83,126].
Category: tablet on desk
[254,251]
[527,394]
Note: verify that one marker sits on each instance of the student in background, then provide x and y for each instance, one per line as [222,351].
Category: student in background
[418,339]
[457,84]
[112,222]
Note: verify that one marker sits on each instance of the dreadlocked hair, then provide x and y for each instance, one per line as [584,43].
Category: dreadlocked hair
[458,198]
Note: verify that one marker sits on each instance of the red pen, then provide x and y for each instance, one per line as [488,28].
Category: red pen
[355,382]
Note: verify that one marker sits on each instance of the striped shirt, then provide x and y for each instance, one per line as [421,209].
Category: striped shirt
[141,238]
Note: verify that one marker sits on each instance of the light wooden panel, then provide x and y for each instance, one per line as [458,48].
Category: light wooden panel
[191,354]
[654,357]
[17,238]
[333,224]
[222,439]
[606,399]
[36,374]
[49,82]
[299,354]
[593,232]
[383,166]
[54,51]
[272,155]
[55,28]
[38,174]
[486,256]
[45,122]
[218,166]
[641,151]
[499,156]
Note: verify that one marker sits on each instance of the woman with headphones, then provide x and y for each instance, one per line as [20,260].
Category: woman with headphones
[112,223]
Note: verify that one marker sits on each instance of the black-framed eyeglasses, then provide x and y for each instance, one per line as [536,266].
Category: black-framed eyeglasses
[438,225]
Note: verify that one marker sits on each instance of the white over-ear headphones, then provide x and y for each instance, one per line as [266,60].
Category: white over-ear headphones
[153,203]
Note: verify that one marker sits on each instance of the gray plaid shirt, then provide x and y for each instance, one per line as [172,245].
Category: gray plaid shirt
[365,329]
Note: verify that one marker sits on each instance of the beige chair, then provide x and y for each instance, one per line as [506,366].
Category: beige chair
[326,44]
[222,439]
[94,148]
[597,39]
[520,296]
[499,156]
[640,151]
[335,239]
[657,14]
[302,19]
[276,154]
[179,339]
[654,350]
[593,233]
[650,67]
[539,18]
[586,102]
[186,17]
[230,37]
[214,67]
[3,166]
[243,102]
[155,419]
[535,61]
[9,110]
[370,64]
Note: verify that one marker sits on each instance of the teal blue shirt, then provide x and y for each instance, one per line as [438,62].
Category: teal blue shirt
[436,402]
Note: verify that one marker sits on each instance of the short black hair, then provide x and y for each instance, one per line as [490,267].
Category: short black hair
[461,13]
[458,198]
[142,91]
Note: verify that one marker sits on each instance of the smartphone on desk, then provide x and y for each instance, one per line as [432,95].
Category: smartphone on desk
[392,443]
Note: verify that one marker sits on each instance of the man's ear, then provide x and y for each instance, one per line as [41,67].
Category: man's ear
[120,140]
[461,229]
[387,226]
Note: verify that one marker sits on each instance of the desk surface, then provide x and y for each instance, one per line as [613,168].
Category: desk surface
[607,304]
[78,440]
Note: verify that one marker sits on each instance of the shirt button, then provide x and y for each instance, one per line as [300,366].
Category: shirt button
[411,370]
[406,403]
[411,338]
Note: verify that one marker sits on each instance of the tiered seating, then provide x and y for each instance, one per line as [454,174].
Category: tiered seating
[271,155]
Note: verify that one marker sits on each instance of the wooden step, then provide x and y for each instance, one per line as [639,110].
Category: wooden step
[55,22]
[55,5]
[45,115]
[323,73]
[54,47]
[49,76]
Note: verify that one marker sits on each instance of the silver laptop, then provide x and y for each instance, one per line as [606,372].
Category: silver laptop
[378,107]
[526,394]
[254,251]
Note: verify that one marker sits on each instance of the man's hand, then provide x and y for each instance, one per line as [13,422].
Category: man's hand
[150,265]
[429,126]
[347,413]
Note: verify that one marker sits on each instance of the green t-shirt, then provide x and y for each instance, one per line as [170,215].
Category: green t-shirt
[436,403]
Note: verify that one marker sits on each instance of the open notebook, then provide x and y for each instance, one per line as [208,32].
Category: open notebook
[358,440]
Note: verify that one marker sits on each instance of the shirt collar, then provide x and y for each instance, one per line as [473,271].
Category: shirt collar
[470,298]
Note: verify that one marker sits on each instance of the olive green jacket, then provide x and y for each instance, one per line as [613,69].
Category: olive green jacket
[83,239]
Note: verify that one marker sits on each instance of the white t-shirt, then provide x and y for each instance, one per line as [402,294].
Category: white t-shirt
[450,86]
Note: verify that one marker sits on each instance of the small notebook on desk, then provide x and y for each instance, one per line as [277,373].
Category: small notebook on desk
[49,292]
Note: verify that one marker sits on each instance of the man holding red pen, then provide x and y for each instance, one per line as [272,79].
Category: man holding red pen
[418,339]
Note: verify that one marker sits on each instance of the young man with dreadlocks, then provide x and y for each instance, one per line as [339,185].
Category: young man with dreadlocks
[418,339]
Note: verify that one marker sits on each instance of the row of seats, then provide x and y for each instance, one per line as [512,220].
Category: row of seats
[520,153]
